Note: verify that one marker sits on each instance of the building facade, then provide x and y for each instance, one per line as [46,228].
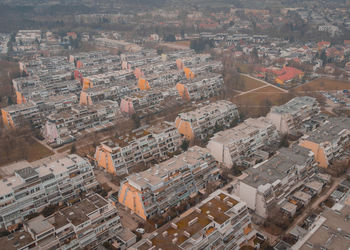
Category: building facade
[157,189]
[288,117]
[202,121]
[329,141]
[236,144]
[84,225]
[267,184]
[33,188]
[221,221]
[141,146]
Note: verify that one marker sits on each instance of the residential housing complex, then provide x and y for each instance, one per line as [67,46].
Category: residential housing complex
[201,87]
[288,117]
[141,146]
[202,121]
[236,145]
[329,141]
[31,188]
[221,221]
[269,183]
[63,127]
[164,185]
[86,224]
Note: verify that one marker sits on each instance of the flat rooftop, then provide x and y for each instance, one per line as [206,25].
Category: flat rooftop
[246,129]
[16,240]
[209,110]
[330,130]
[156,175]
[39,225]
[294,105]
[335,231]
[277,167]
[194,223]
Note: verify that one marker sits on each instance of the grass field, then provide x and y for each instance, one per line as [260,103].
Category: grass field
[29,150]
[321,84]
[250,83]
[257,103]
[64,148]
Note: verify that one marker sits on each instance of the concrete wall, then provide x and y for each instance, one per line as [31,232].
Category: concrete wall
[319,154]
[184,128]
[131,198]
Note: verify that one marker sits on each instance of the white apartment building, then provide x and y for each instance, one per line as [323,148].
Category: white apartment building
[202,121]
[267,184]
[221,221]
[32,188]
[84,225]
[288,117]
[155,190]
[200,88]
[141,146]
[234,145]
[61,127]
[18,114]
[329,141]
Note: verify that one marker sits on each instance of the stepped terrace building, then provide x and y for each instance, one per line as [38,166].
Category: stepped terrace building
[31,188]
[269,183]
[157,189]
[221,221]
[202,121]
[236,144]
[329,141]
[288,117]
[84,225]
[199,88]
[63,126]
[141,146]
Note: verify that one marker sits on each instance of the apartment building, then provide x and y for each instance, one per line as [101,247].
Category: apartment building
[34,87]
[221,221]
[108,78]
[331,229]
[86,224]
[17,115]
[141,146]
[95,58]
[31,188]
[202,121]
[200,88]
[61,127]
[289,117]
[46,65]
[156,68]
[329,141]
[94,95]
[162,79]
[235,145]
[267,184]
[166,184]
[35,111]
[140,101]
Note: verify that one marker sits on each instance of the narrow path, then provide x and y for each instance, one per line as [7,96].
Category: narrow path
[267,83]
[252,90]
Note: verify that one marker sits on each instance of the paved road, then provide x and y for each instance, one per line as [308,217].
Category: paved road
[102,178]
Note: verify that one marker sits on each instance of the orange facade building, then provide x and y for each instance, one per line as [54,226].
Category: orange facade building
[328,142]
[157,189]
